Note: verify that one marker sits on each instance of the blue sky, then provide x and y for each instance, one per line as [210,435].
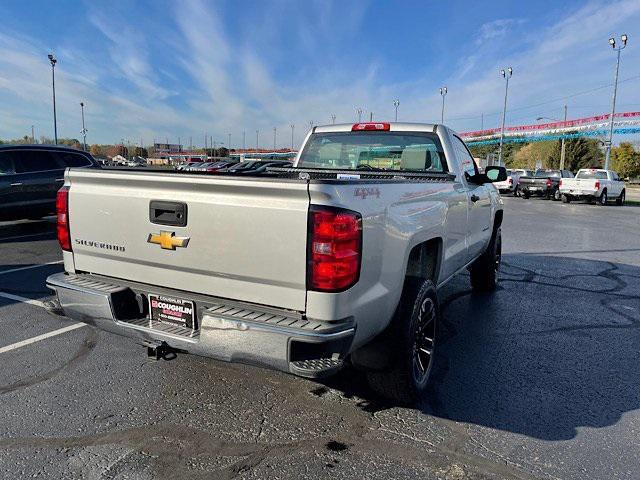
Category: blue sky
[178,69]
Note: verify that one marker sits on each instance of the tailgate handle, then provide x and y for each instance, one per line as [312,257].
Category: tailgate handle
[168,213]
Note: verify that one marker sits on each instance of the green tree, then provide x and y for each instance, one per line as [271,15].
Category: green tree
[579,153]
[626,160]
[95,150]
[529,155]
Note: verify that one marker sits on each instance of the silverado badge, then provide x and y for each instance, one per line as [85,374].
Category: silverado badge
[168,240]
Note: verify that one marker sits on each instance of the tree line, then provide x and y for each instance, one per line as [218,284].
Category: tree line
[579,153]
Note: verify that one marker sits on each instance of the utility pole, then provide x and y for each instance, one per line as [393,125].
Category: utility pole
[371,116]
[190,143]
[612,42]
[257,139]
[205,142]
[333,118]
[562,150]
[443,93]
[481,121]
[292,129]
[396,104]
[84,130]
[229,143]
[274,138]
[506,74]
[244,134]
[53,62]
[359,112]
[33,138]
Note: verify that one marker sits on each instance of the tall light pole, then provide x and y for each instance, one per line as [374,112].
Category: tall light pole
[53,61]
[371,116]
[359,112]
[33,138]
[333,118]
[229,143]
[84,130]
[244,136]
[292,129]
[443,93]
[396,104]
[562,144]
[257,138]
[275,132]
[506,74]
[310,124]
[612,42]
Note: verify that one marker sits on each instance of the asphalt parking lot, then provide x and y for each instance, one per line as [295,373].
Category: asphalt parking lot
[538,380]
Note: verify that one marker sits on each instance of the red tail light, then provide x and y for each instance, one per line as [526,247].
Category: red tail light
[62,223]
[334,249]
[560,183]
[597,184]
[510,181]
[370,126]
[549,182]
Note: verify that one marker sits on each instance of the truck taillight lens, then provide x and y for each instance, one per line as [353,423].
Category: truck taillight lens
[510,181]
[597,185]
[560,183]
[334,249]
[357,127]
[549,182]
[62,223]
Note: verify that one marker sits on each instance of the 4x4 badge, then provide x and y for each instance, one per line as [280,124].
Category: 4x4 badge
[168,240]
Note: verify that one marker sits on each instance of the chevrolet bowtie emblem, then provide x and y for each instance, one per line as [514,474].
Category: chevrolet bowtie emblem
[168,240]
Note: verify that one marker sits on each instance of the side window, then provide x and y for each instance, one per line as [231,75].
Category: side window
[6,163]
[464,157]
[34,161]
[614,176]
[72,159]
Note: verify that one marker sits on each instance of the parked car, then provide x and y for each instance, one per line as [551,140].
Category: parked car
[510,185]
[301,271]
[30,176]
[593,184]
[544,183]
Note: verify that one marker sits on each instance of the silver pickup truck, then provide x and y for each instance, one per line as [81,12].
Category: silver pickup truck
[337,259]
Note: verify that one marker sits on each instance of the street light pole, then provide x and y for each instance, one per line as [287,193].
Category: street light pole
[562,148]
[53,61]
[84,130]
[257,142]
[275,132]
[244,144]
[359,112]
[443,93]
[506,74]
[292,129]
[229,143]
[396,104]
[333,118]
[612,42]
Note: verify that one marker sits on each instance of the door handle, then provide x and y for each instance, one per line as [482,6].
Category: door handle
[475,198]
[17,184]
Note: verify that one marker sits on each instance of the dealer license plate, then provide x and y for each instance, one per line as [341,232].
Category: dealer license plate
[171,310]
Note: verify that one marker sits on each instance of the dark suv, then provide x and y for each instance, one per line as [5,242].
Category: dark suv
[30,176]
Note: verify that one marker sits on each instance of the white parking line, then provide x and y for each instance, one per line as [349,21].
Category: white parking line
[29,341]
[18,298]
[17,237]
[2,272]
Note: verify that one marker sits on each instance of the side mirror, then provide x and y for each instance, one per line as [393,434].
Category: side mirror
[495,173]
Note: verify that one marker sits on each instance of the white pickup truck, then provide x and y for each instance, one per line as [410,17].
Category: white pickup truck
[510,185]
[593,184]
[302,269]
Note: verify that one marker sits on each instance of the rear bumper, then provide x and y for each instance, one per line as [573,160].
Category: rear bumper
[533,190]
[224,330]
[580,193]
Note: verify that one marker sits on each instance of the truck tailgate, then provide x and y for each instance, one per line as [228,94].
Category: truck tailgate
[246,237]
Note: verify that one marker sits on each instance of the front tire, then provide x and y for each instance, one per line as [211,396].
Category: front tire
[524,194]
[413,335]
[484,271]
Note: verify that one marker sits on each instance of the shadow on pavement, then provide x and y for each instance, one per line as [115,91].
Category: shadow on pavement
[27,231]
[553,350]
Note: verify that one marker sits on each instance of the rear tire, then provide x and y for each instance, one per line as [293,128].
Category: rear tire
[556,195]
[412,335]
[620,199]
[525,195]
[516,191]
[602,199]
[484,271]
[566,198]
